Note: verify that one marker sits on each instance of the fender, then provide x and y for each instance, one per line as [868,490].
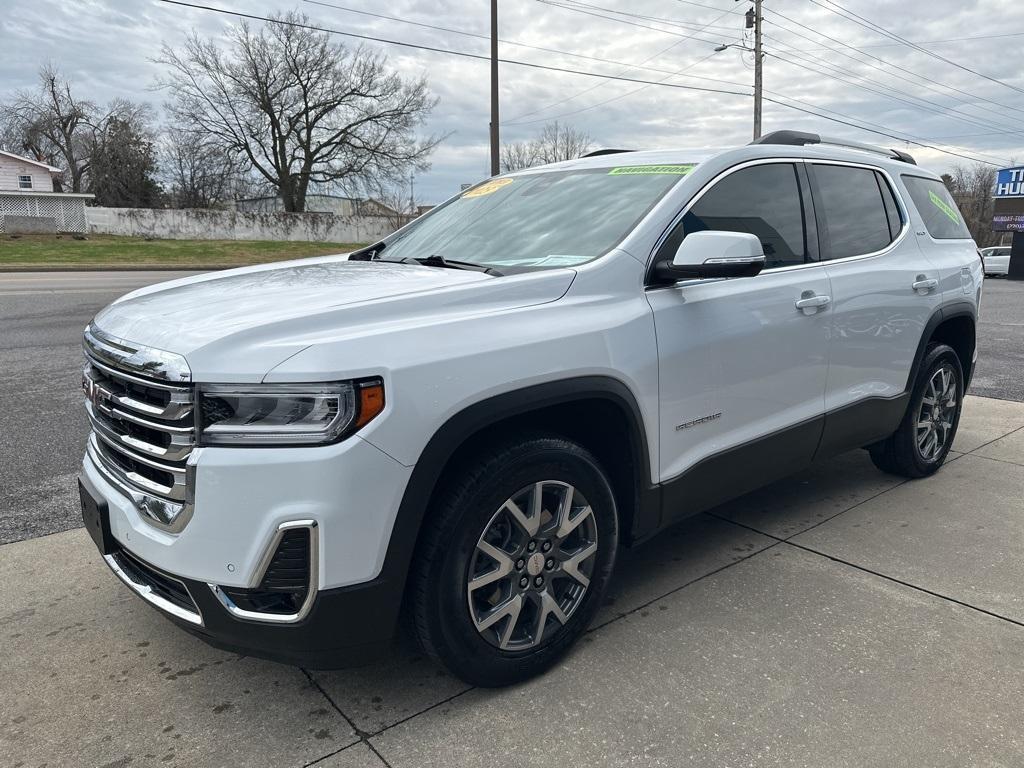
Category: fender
[491,411]
[874,418]
[945,312]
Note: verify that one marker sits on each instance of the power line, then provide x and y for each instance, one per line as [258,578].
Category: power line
[905,136]
[577,7]
[518,120]
[956,108]
[878,59]
[938,42]
[446,51]
[662,19]
[867,24]
[479,36]
[606,101]
[807,63]
[880,132]
[532,65]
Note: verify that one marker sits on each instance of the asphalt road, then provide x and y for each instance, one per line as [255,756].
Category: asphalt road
[44,427]
[42,422]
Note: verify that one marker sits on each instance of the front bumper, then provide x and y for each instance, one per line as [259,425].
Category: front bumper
[343,626]
[348,496]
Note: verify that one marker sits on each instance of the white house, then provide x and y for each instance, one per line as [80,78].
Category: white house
[20,173]
[30,202]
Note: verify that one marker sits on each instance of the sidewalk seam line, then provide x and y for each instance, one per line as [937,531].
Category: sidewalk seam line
[894,579]
[363,735]
[879,574]
[992,458]
[993,440]
[589,630]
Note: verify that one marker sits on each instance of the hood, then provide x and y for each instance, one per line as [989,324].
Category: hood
[236,325]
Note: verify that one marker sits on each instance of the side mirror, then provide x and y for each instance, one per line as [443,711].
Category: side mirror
[711,253]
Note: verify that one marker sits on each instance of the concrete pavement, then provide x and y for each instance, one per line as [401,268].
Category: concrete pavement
[838,618]
[43,423]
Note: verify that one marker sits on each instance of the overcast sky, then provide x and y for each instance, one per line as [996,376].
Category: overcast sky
[105,47]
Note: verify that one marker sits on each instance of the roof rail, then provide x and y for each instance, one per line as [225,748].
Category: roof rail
[801,138]
[599,152]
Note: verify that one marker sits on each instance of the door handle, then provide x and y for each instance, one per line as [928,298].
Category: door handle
[925,284]
[810,303]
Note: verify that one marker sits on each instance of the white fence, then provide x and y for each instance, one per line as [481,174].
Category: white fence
[199,224]
[55,211]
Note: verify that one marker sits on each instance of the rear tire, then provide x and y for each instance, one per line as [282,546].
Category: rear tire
[514,560]
[920,444]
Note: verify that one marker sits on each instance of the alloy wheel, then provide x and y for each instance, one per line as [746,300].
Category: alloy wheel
[937,412]
[532,565]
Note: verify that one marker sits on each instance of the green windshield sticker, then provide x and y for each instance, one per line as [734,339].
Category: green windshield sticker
[943,206]
[630,170]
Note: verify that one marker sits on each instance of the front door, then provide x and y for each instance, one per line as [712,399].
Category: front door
[742,368]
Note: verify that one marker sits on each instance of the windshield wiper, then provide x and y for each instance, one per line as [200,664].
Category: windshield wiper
[440,261]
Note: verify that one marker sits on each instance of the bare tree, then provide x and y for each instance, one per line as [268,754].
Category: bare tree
[972,187]
[199,173]
[556,142]
[395,201]
[51,125]
[517,155]
[301,110]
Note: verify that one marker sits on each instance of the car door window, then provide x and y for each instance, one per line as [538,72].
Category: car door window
[763,200]
[851,205]
[892,210]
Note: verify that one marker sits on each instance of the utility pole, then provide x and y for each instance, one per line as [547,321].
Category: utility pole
[758,56]
[495,150]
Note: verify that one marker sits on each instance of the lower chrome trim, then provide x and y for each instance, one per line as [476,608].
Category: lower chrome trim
[314,578]
[146,593]
[164,514]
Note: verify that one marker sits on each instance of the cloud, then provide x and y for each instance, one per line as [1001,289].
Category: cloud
[106,47]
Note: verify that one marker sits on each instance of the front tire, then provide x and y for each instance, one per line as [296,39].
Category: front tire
[921,443]
[514,560]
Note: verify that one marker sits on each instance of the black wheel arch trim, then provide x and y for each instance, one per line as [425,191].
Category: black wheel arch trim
[948,311]
[489,412]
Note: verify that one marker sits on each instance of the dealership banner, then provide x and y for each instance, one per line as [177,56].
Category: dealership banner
[1010,182]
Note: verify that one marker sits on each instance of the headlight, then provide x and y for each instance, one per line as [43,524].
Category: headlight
[286,414]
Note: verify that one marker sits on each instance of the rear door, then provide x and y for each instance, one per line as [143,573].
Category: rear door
[943,236]
[741,367]
[884,290]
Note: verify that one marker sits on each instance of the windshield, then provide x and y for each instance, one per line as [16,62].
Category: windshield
[550,219]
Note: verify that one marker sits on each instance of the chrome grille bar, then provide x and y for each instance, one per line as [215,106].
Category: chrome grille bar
[140,404]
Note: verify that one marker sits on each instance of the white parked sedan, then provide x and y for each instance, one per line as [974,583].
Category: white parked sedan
[996,260]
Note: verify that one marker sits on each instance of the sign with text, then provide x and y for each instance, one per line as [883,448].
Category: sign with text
[1010,182]
[1008,214]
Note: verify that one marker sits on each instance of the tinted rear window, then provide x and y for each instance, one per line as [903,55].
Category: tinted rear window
[854,210]
[936,206]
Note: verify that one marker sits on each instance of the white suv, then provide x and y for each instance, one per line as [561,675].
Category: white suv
[463,422]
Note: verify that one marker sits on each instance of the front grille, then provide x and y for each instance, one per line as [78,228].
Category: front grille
[140,404]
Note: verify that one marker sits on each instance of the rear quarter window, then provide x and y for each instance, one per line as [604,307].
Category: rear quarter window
[941,217]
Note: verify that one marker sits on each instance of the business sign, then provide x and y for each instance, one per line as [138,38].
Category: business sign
[1008,222]
[1008,214]
[1010,182]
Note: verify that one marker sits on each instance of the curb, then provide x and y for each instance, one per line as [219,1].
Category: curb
[125,268]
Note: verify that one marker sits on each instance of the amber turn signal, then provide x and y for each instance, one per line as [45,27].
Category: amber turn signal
[371,402]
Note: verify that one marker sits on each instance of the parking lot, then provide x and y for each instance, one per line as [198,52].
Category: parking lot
[840,617]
